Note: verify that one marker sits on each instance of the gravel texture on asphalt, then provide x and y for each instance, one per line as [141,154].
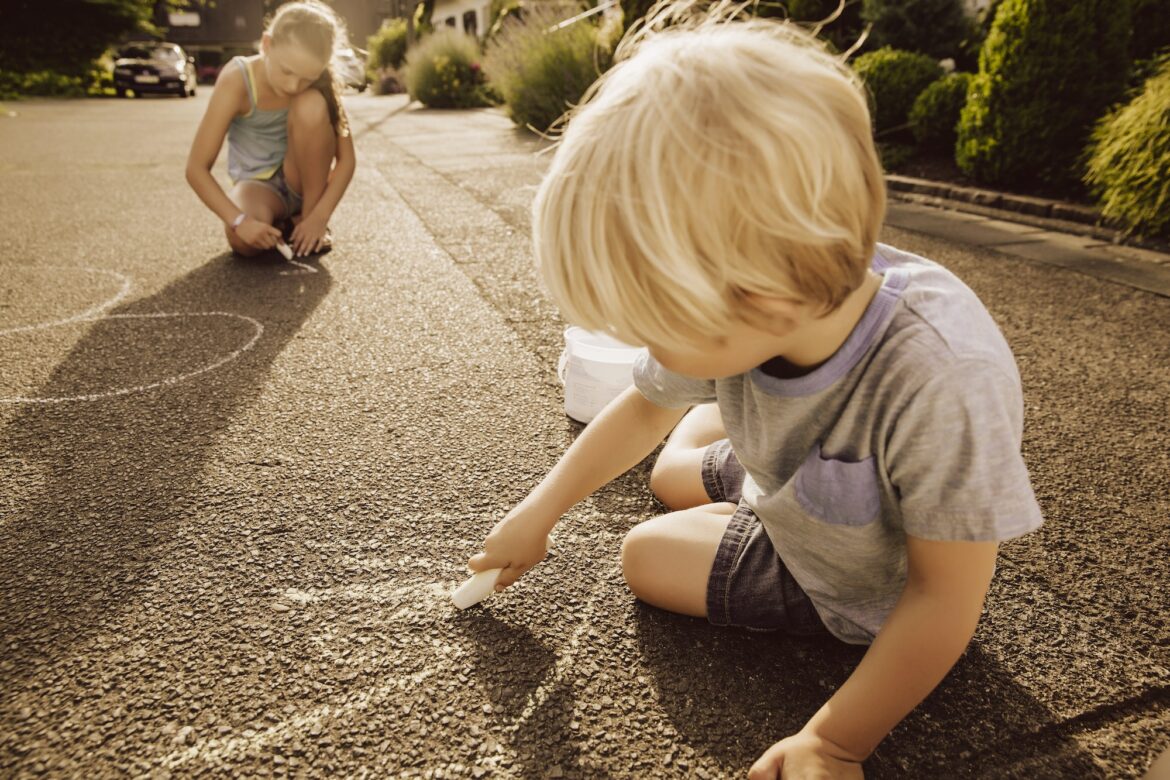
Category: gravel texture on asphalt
[233,555]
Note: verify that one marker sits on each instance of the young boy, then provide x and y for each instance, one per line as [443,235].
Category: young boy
[851,456]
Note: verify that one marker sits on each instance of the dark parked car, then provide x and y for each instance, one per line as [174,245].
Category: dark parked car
[154,67]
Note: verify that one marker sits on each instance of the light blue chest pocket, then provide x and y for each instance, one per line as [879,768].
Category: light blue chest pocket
[839,492]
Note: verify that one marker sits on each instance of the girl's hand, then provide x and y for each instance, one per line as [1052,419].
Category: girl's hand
[805,757]
[308,235]
[516,544]
[258,234]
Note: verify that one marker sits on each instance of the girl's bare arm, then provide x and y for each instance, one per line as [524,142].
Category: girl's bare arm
[224,105]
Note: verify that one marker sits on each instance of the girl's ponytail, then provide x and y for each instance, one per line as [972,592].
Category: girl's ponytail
[330,88]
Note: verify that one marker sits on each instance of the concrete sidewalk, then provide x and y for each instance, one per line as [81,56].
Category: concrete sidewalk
[242,570]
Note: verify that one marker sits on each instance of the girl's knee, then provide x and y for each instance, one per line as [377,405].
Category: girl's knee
[308,109]
[238,246]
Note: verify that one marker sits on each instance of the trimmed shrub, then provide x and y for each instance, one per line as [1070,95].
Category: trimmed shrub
[894,79]
[1047,72]
[387,46]
[934,27]
[387,49]
[541,75]
[935,113]
[1129,159]
[443,71]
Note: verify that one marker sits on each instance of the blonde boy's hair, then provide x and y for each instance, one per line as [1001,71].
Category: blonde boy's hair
[717,158]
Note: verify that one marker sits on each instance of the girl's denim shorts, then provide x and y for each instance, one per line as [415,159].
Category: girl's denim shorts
[750,587]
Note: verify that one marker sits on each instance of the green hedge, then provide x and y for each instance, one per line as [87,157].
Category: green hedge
[40,83]
[1129,158]
[938,28]
[540,75]
[444,70]
[1047,72]
[894,79]
[935,113]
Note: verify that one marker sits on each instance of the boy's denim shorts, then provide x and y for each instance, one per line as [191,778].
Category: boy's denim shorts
[750,587]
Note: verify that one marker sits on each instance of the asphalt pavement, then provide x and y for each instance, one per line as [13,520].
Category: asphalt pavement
[234,495]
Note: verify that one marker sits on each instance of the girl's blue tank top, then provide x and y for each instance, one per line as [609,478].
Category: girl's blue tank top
[257,140]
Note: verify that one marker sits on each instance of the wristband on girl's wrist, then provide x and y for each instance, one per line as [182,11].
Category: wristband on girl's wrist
[239,220]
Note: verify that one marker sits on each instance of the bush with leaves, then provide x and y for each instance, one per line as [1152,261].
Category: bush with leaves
[387,46]
[935,113]
[540,75]
[387,49]
[1129,158]
[894,79]
[1047,71]
[40,83]
[444,70]
[934,27]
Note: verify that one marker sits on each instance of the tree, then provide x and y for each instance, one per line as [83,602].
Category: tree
[73,34]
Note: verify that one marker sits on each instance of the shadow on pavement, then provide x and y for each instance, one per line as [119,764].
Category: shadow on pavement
[512,666]
[732,694]
[110,480]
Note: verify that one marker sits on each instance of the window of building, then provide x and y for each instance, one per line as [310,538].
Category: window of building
[469,23]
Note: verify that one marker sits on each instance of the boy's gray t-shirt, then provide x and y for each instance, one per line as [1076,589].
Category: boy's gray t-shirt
[912,427]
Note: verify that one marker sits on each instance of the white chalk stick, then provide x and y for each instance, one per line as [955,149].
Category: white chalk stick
[476,588]
[284,249]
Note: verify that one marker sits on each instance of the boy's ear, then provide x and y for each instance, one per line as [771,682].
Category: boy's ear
[775,315]
[265,43]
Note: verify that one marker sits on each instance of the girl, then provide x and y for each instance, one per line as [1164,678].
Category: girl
[286,128]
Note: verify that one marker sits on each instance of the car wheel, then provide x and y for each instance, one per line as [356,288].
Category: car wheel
[120,92]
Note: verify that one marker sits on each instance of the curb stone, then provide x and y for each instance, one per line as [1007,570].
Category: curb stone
[1041,212]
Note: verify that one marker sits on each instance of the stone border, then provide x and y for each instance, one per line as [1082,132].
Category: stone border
[1041,212]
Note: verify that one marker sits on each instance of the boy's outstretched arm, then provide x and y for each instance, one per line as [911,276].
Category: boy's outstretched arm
[921,640]
[624,433]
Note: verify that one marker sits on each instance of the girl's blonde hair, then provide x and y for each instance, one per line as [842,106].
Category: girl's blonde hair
[316,27]
[719,157]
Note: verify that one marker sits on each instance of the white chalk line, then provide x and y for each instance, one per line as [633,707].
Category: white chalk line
[298,724]
[541,694]
[169,381]
[308,269]
[91,313]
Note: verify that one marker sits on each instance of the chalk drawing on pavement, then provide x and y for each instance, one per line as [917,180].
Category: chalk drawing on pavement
[97,314]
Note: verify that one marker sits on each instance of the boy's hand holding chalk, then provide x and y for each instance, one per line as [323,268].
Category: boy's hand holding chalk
[485,582]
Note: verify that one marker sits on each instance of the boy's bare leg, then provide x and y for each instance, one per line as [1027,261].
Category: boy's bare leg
[667,561]
[677,478]
[258,202]
[312,145]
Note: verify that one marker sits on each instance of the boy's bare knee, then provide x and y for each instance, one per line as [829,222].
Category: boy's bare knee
[636,558]
[660,480]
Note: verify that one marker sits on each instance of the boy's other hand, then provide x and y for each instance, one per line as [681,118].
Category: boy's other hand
[258,234]
[514,545]
[805,757]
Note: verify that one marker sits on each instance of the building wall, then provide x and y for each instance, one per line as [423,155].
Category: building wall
[447,10]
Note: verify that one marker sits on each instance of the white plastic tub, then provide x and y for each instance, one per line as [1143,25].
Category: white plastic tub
[595,369]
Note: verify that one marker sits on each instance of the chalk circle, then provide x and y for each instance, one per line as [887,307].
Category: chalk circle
[257,329]
[91,313]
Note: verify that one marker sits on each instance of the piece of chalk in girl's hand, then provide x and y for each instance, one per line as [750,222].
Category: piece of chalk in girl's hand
[285,250]
[477,588]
